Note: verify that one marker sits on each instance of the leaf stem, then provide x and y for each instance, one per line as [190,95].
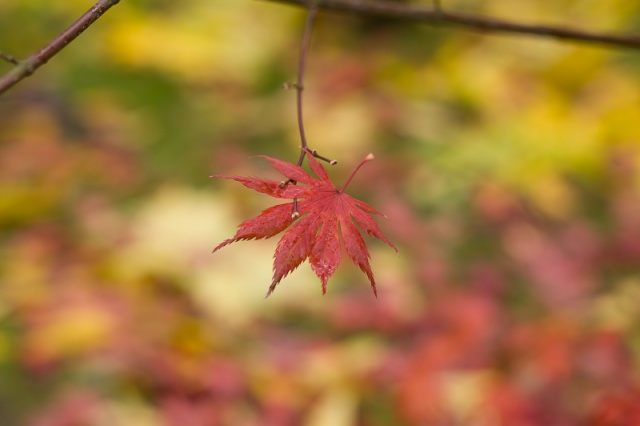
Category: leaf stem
[366,159]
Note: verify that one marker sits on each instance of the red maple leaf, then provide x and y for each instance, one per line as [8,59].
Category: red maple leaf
[324,226]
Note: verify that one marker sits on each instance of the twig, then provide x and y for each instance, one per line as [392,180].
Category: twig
[299,86]
[8,58]
[437,16]
[27,67]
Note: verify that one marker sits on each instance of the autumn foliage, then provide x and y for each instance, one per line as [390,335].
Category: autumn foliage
[322,223]
[509,170]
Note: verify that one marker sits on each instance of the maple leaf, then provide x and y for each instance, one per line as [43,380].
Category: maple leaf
[324,226]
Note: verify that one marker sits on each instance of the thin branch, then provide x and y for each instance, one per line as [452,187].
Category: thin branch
[437,16]
[27,67]
[8,58]
[304,49]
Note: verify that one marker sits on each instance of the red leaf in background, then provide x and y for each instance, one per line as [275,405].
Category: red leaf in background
[326,224]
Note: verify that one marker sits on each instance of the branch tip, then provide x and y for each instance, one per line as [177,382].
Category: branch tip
[296,213]
[315,154]
[284,183]
[289,86]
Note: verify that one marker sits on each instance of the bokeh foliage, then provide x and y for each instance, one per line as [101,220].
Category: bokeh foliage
[508,168]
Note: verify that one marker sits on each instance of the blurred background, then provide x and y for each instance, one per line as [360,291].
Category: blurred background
[508,168]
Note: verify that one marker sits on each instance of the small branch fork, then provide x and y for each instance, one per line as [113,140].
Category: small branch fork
[299,87]
[27,67]
[437,15]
